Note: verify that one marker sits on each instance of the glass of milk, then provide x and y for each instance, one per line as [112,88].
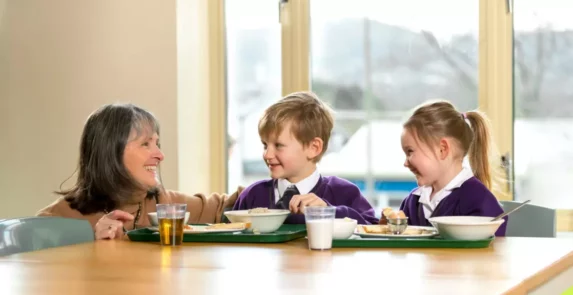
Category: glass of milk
[319,227]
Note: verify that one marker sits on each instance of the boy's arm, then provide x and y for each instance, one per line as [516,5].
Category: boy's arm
[231,200]
[359,209]
[245,199]
[241,203]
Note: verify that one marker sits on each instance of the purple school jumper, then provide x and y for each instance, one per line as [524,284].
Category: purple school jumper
[338,192]
[471,198]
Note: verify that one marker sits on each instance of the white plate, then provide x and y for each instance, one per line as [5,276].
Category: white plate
[202,229]
[392,236]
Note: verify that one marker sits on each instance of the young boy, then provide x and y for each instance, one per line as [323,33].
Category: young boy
[295,133]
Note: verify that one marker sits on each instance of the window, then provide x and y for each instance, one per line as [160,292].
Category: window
[373,61]
[253,83]
[543,103]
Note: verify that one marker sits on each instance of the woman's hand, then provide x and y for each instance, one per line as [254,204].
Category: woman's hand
[110,226]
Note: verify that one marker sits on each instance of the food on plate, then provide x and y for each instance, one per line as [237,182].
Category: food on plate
[259,210]
[187,227]
[348,219]
[236,225]
[416,231]
[389,213]
[384,229]
[374,229]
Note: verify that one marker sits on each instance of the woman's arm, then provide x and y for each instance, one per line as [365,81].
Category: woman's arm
[202,208]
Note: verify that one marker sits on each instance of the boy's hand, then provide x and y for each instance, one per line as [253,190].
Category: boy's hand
[298,202]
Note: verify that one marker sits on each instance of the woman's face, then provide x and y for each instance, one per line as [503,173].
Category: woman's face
[142,156]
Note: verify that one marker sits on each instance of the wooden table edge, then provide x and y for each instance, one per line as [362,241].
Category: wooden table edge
[543,276]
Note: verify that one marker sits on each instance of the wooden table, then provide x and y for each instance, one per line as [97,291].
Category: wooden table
[509,266]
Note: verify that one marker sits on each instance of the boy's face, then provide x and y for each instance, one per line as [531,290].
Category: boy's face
[287,158]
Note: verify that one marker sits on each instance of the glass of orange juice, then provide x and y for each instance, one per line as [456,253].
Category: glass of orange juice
[171,223]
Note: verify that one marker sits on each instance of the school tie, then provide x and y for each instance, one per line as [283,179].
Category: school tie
[284,201]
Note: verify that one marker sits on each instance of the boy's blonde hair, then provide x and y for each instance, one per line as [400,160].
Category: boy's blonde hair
[308,116]
[438,119]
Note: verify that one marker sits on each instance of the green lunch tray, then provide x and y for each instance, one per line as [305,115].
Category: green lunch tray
[287,232]
[433,242]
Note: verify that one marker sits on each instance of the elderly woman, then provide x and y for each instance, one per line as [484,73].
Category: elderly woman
[118,179]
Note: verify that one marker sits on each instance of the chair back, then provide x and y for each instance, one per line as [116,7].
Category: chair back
[26,234]
[530,221]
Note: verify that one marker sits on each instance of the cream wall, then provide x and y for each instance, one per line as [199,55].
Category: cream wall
[59,61]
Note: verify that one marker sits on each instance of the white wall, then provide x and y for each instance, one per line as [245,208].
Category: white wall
[59,61]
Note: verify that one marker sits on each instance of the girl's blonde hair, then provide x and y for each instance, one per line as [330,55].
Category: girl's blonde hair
[435,120]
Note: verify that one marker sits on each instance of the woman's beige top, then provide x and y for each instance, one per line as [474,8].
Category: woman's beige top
[202,208]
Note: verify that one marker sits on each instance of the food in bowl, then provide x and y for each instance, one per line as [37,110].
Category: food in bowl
[258,210]
[466,227]
[343,228]
[389,213]
[396,215]
[260,222]
[397,221]
[385,212]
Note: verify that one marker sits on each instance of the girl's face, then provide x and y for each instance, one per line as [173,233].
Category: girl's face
[421,159]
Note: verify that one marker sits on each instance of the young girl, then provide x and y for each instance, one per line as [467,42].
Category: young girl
[435,139]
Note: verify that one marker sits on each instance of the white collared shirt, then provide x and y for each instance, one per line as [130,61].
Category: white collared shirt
[304,186]
[426,191]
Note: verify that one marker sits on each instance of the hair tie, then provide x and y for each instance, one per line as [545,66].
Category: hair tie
[464,116]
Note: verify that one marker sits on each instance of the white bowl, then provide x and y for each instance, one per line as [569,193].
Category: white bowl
[466,227]
[152,216]
[343,228]
[260,222]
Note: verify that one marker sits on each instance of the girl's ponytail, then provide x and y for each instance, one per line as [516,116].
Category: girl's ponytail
[479,150]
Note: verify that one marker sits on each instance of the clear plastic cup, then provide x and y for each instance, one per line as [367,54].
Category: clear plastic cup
[319,227]
[171,219]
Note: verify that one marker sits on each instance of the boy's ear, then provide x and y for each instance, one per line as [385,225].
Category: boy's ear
[445,148]
[314,148]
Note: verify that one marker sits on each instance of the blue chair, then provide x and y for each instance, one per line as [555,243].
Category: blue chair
[530,221]
[27,234]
